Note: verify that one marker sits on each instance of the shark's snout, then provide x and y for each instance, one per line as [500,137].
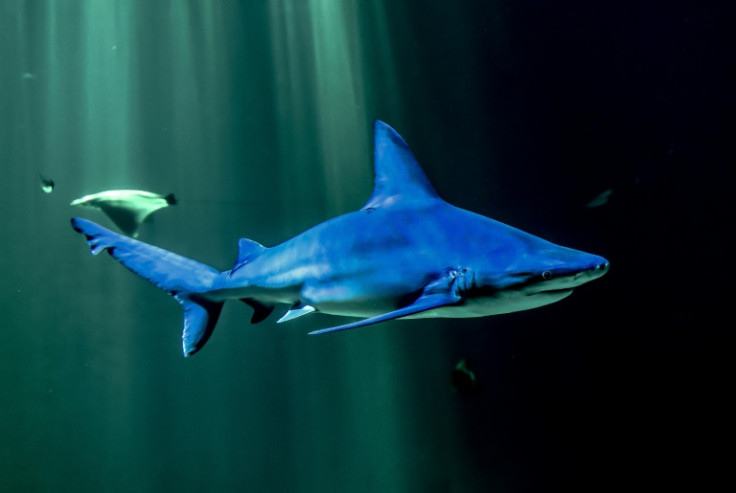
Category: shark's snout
[579,268]
[598,268]
[601,267]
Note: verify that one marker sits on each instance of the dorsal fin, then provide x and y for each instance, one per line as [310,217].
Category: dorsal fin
[398,174]
[247,249]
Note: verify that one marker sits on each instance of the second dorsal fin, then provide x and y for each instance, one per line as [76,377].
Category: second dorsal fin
[247,249]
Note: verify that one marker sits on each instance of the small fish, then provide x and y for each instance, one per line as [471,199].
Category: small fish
[47,184]
[462,378]
[127,208]
[600,199]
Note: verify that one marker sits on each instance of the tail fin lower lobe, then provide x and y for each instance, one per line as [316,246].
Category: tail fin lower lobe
[185,279]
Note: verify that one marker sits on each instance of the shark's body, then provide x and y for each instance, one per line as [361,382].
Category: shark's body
[405,254]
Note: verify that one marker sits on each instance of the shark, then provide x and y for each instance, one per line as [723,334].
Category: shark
[405,254]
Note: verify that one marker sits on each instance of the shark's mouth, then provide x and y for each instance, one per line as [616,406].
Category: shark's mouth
[556,293]
[561,290]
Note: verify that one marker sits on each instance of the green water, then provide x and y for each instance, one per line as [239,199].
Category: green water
[257,115]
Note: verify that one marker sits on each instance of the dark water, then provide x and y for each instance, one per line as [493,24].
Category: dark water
[257,115]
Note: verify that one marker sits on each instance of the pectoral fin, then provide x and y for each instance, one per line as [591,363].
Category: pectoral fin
[422,304]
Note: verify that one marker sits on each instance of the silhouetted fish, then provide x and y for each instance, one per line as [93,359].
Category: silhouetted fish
[462,378]
[600,199]
[127,208]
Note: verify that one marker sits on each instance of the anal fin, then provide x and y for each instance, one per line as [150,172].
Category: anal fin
[260,311]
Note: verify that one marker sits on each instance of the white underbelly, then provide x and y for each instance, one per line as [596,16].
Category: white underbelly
[504,303]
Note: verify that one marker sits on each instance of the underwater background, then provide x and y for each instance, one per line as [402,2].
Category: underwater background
[257,115]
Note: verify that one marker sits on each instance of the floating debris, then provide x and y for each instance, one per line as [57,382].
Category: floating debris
[600,199]
[47,184]
[127,208]
[462,378]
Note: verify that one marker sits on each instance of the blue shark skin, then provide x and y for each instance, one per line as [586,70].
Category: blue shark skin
[405,254]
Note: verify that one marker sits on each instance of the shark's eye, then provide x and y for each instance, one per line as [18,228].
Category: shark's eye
[546,275]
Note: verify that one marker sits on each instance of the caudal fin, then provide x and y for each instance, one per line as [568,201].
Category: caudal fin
[185,279]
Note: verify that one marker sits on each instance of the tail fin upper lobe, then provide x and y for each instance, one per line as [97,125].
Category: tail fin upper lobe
[185,279]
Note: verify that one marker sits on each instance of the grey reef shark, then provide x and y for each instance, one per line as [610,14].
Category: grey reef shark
[405,254]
